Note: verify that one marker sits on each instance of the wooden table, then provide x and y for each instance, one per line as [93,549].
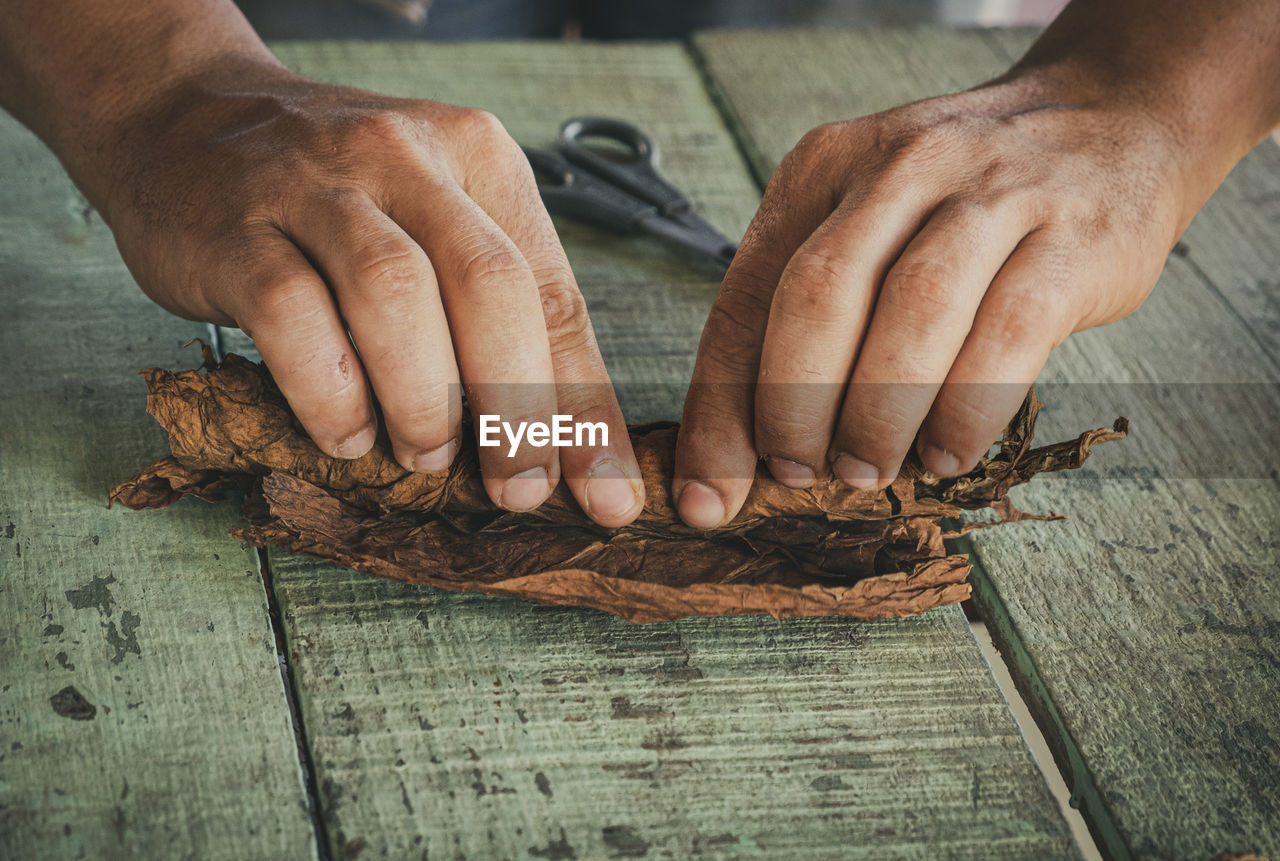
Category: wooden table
[145,707]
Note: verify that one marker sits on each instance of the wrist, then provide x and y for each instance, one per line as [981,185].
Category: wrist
[81,81]
[1205,73]
[121,136]
[1189,144]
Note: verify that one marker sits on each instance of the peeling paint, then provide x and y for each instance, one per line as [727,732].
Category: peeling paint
[93,594]
[70,703]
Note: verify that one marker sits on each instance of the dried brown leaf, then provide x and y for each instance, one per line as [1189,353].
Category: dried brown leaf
[826,550]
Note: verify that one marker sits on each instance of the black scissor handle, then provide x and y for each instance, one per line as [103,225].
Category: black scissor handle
[576,193]
[639,176]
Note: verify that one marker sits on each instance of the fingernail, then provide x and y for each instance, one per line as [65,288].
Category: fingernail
[789,472]
[437,459]
[356,445]
[939,461]
[526,490]
[609,492]
[700,506]
[856,473]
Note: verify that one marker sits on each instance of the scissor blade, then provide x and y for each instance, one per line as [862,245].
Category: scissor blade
[689,231]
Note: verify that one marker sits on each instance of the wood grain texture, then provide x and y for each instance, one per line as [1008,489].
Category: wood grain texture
[472,727]
[141,706]
[462,726]
[1146,629]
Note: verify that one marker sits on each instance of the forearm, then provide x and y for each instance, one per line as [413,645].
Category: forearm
[1207,71]
[75,73]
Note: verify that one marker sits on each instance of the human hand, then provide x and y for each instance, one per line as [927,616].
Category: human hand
[301,212]
[910,272]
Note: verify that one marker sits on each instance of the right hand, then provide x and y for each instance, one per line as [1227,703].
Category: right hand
[302,212]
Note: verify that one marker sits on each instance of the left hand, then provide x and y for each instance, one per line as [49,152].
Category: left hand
[910,272]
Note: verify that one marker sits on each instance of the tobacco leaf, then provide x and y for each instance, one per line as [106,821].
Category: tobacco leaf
[826,550]
[167,480]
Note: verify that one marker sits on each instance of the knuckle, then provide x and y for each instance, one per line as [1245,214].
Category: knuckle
[483,127]
[915,137]
[428,417]
[790,428]
[965,423]
[724,366]
[1002,173]
[564,309]
[818,140]
[390,268]
[808,164]
[973,210]
[494,267]
[389,127]
[727,350]
[1020,319]
[813,286]
[738,315]
[485,122]
[921,288]
[590,401]
[322,378]
[969,411]
[280,301]
[879,434]
[1070,215]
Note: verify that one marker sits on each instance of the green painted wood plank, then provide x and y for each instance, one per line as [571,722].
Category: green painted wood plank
[1145,630]
[466,726]
[1232,244]
[774,88]
[141,706]
[473,727]
[1150,621]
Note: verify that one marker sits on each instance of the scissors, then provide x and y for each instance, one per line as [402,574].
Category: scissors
[628,197]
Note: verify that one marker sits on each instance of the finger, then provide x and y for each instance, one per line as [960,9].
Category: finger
[494,310]
[602,474]
[1023,317]
[386,290]
[281,302]
[816,324]
[924,311]
[715,452]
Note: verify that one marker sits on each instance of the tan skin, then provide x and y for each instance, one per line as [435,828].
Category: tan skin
[911,269]
[908,273]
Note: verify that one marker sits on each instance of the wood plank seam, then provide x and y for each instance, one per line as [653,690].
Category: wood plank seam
[1002,671]
[1085,795]
[306,761]
[751,157]
[141,711]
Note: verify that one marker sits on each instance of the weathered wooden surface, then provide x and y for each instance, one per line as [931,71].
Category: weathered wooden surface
[1146,629]
[141,707]
[465,726]
[478,727]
